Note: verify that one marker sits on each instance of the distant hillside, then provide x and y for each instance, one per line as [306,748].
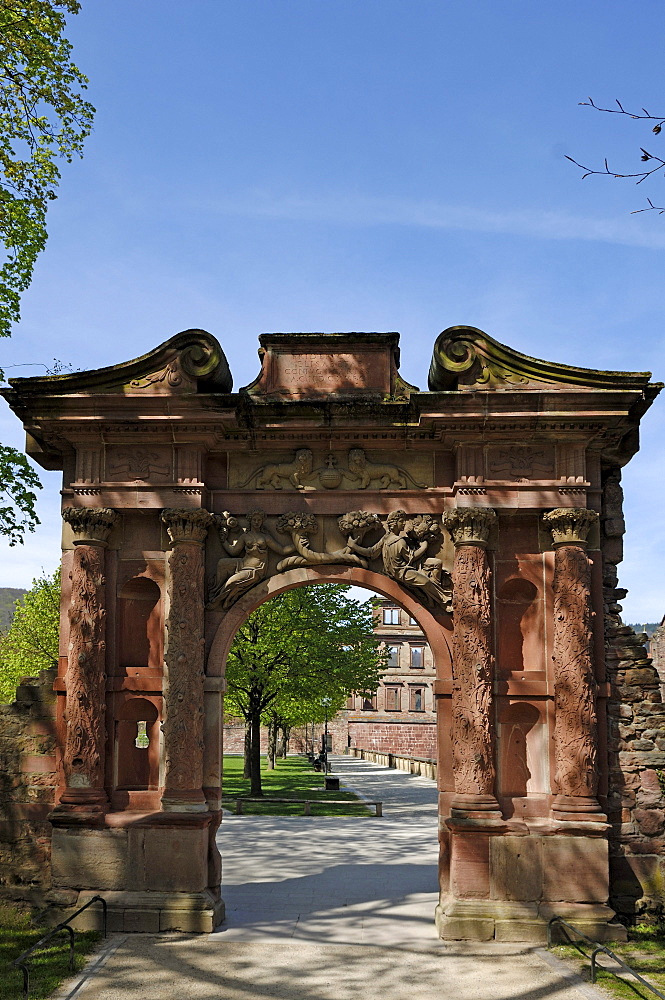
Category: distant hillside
[649,627]
[8,595]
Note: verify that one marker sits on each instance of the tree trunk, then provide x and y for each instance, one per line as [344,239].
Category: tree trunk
[255,755]
[286,732]
[247,770]
[272,744]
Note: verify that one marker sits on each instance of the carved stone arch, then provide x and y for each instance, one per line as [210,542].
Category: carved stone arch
[437,628]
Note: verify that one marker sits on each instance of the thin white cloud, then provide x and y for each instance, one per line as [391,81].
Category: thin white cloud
[362,210]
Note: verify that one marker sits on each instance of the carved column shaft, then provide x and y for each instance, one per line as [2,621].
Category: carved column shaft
[473,661]
[85,736]
[184,662]
[575,728]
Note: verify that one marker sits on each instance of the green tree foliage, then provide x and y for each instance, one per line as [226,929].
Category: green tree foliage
[43,119]
[31,644]
[296,659]
[18,481]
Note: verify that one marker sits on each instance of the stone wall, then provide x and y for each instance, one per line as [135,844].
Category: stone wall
[27,790]
[409,738]
[657,650]
[636,741]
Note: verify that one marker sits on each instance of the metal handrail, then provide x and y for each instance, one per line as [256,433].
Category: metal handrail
[597,949]
[20,962]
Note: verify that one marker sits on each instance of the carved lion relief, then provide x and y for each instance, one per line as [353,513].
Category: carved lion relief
[303,473]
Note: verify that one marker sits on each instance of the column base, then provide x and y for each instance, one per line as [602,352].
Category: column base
[152,912]
[574,810]
[80,806]
[499,920]
[185,800]
[475,812]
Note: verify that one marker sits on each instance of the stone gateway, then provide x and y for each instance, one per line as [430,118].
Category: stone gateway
[488,507]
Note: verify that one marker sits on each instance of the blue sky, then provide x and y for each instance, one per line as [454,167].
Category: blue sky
[264,165]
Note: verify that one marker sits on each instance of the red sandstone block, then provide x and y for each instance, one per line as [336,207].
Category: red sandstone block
[41,727]
[38,764]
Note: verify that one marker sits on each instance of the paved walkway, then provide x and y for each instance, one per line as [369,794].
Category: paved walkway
[323,908]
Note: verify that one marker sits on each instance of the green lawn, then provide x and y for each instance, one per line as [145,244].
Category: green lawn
[48,967]
[293,778]
[644,951]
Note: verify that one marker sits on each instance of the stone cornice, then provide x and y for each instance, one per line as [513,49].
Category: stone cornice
[469,525]
[90,525]
[187,525]
[570,525]
[175,366]
[465,357]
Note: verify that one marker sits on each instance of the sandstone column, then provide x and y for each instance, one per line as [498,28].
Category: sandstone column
[473,664]
[184,661]
[575,728]
[85,734]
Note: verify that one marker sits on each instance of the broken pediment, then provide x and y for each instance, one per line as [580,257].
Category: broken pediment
[319,365]
[186,363]
[466,358]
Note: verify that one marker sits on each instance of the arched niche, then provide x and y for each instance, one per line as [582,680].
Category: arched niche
[140,624]
[519,613]
[136,753]
[523,756]
[436,628]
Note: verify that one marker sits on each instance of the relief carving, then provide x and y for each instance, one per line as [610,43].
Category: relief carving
[90,524]
[473,666]
[403,549]
[300,527]
[358,473]
[570,525]
[522,464]
[575,727]
[137,464]
[85,736]
[469,525]
[184,661]
[247,561]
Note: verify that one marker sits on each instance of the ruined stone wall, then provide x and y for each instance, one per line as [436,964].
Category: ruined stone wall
[657,650]
[636,740]
[27,790]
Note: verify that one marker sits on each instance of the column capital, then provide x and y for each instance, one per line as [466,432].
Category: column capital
[90,525]
[570,525]
[187,525]
[469,525]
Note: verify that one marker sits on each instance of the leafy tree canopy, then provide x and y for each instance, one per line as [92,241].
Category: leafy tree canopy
[43,118]
[31,644]
[296,659]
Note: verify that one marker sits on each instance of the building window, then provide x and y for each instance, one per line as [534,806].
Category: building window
[417,657]
[392,699]
[416,699]
[391,616]
[412,621]
[369,703]
[393,656]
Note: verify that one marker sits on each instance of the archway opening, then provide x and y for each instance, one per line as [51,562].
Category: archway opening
[395,725]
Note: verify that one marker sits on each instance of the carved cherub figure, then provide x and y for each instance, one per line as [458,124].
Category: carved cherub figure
[403,549]
[247,561]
